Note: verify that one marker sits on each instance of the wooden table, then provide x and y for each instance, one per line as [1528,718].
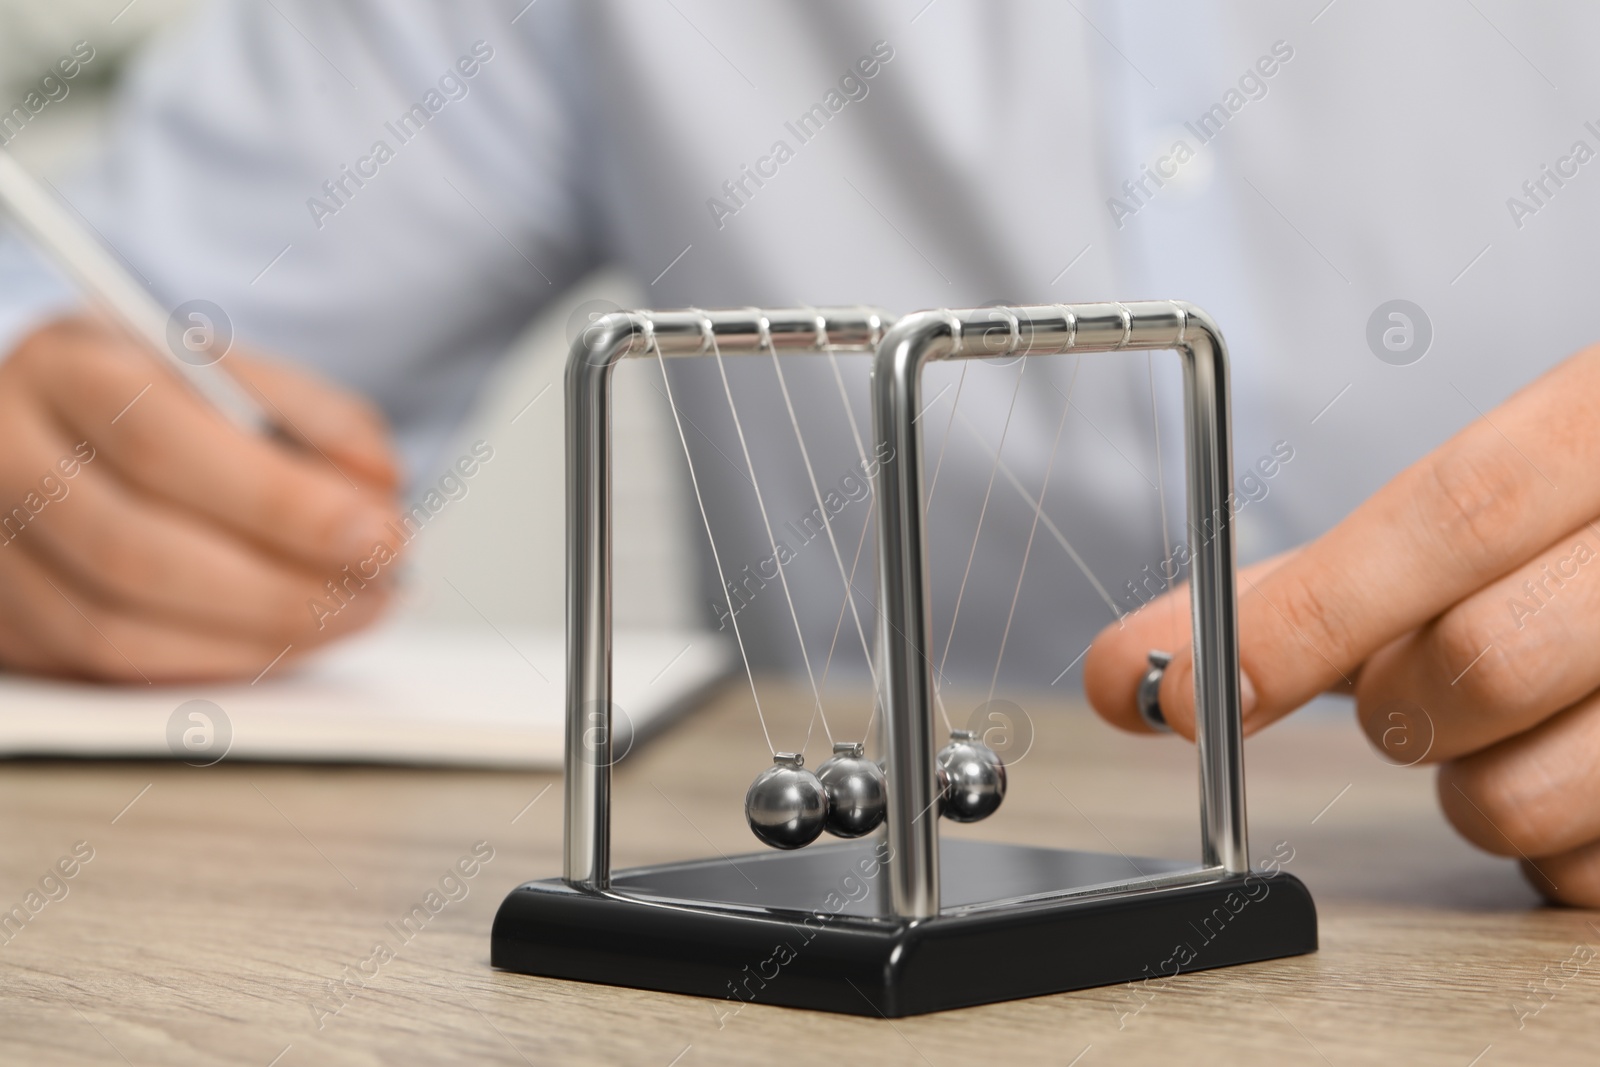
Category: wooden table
[222,904]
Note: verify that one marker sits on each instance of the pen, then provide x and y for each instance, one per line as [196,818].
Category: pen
[55,232]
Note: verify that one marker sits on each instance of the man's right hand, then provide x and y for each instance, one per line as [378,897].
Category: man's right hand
[1457,606]
[145,538]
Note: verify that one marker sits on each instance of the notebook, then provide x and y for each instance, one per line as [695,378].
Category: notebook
[407,693]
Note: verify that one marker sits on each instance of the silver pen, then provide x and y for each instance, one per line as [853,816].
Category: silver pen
[53,229]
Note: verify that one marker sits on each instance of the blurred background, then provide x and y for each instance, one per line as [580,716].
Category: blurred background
[498,550]
[68,129]
[1362,180]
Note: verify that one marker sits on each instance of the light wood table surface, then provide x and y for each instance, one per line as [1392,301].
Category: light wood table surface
[221,903]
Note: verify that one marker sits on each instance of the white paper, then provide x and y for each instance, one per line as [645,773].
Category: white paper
[405,693]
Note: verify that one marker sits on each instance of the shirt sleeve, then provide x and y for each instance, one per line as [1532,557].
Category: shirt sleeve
[386,190]
[30,293]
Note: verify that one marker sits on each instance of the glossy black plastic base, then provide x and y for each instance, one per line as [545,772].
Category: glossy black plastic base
[807,929]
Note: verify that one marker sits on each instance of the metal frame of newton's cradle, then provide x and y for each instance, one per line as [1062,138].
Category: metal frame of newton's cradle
[900,924]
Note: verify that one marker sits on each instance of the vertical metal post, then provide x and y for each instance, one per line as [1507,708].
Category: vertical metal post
[587,859]
[904,619]
[1219,734]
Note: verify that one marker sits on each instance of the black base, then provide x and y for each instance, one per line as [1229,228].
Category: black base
[807,929]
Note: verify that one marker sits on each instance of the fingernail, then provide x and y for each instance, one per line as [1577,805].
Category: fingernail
[1247,695]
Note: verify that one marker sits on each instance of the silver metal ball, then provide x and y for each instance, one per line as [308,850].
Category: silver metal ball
[857,798]
[786,805]
[974,778]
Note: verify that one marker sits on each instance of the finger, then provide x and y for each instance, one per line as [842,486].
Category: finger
[145,558]
[1576,872]
[1532,796]
[345,429]
[163,439]
[1119,657]
[1482,504]
[1500,661]
[70,634]
[93,535]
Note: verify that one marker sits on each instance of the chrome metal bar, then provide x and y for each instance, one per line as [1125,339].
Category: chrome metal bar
[1219,732]
[594,355]
[905,629]
[905,621]
[587,860]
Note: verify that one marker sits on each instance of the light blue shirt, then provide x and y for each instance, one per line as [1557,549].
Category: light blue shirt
[389,191]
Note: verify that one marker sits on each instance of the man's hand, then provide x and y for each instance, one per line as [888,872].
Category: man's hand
[144,538]
[1466,591]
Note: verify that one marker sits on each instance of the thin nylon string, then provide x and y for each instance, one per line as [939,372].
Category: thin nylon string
[822,509]
[1049,524]
[1038,510]
[872,501]
[849,412]
[838,624]
[716,557]
[772,541]
[982,513]
[861,451]
[961,380]
[927,505]
[866,525]
[1161,492]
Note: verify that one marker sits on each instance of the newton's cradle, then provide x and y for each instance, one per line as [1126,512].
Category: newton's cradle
[892,921]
